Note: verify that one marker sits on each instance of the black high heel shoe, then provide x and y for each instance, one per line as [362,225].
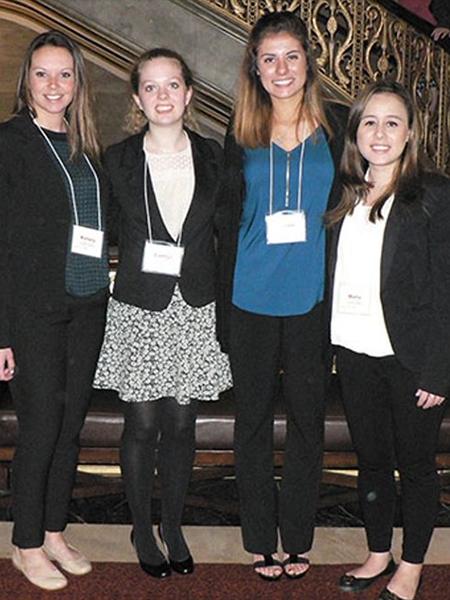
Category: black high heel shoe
[159,571]
[183,567]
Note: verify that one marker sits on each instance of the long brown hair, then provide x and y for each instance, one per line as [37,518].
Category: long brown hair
[82,131]
[136,119]
[253,113]
[354,166]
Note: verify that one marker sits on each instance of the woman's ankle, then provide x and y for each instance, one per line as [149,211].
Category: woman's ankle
[172,537]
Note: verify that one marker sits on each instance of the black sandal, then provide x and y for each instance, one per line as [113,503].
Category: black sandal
[268,561]
[295,559]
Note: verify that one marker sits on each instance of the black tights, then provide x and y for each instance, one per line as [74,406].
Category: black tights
[168,427]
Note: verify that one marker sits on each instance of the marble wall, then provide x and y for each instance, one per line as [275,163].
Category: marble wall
[215,57]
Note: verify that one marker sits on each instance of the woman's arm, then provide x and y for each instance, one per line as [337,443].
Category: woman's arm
[231,194]
[7,363]
[4,247]
[219,199]
[435,374]
[113,206]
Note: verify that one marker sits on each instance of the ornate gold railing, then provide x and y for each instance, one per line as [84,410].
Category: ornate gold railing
[358,41]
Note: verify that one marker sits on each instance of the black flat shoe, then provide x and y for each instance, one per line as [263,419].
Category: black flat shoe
[182,567]
[160,571]
[388,595]
[268,561]
[295,559]
[350,583]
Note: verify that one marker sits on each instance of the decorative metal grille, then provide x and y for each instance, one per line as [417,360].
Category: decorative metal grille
[358,41]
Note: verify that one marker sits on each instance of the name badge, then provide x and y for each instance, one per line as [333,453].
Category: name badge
[162,257]
[354,299]
[286,227]
[87,241]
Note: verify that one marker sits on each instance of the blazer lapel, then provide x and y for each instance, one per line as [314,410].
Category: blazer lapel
[390,241]
[133,162]
[35,146]
[333,248]
[202,187]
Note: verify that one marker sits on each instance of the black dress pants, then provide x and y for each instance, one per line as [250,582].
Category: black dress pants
[388,430]
[259,347]
[56,355]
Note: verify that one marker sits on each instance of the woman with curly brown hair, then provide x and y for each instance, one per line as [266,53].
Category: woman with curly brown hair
[160,350]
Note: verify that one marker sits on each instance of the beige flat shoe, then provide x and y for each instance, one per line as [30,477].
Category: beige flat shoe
[54,581]
[77,566]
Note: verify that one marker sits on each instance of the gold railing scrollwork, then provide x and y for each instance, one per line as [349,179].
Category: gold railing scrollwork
[358,41]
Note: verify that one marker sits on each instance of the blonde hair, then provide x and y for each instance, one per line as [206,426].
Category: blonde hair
[82,131]
[253,112]
[135,119]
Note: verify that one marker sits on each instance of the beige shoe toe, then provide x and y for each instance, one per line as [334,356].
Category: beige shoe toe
[54,581]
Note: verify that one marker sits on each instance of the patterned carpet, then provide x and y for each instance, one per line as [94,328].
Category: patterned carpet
[209,582]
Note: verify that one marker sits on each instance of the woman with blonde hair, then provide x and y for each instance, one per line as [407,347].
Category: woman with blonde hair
[390,327]
[160,350]
[281,163]
[54,273]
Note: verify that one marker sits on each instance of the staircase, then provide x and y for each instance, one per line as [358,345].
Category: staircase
[357,41]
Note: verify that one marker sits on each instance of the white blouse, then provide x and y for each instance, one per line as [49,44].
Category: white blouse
[173,181]
[357,321]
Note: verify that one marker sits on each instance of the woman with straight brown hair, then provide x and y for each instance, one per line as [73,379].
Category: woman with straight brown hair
[54,274]
[390,328]
[281,163]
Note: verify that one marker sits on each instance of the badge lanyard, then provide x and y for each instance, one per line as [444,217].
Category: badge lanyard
[147,207]
[160,257]
[286,226]
[300,180]
[70,182]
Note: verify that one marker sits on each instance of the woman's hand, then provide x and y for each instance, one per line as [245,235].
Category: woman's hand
[439,33]
[427,400]
[7,364]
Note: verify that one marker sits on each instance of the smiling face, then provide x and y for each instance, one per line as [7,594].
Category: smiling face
[281,66]
[51,84]
[162,94]
[383,131]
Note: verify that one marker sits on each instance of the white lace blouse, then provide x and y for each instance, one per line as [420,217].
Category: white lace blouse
[173,181]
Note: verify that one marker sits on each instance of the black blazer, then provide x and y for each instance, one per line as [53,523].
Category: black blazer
[124,163]
[35,221]
[233,195]
[415,280]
